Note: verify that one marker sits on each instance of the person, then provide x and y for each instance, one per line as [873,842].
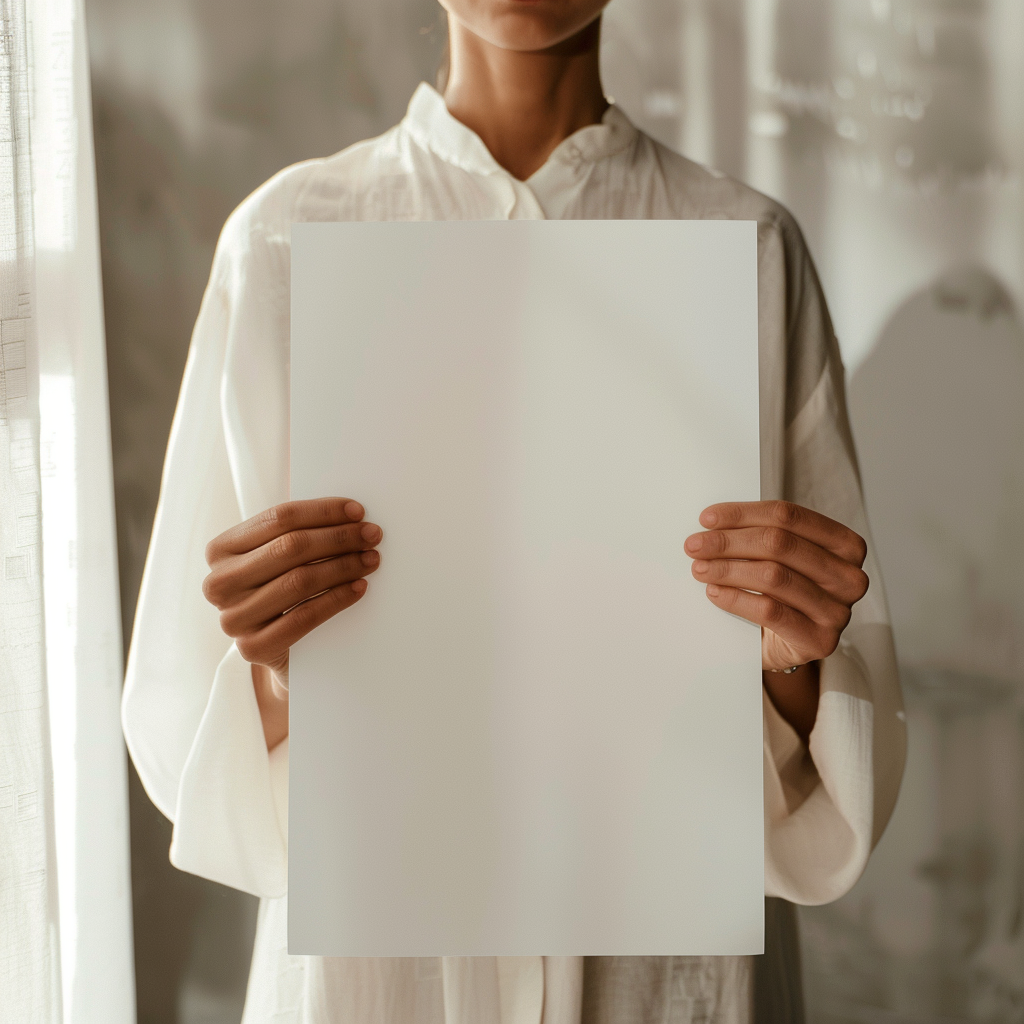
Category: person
[237,573]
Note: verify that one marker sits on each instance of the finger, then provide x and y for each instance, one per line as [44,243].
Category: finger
[843,581]
[232,579]
[269,644]
[778,581]
[281,519]
[295,586]
[806,523]
[787,623]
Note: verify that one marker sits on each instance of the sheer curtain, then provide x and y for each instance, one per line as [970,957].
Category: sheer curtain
[65,932]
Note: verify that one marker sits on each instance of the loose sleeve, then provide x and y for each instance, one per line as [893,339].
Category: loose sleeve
[189,710]
[827,805]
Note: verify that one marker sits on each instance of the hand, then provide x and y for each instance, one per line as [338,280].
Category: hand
[792,571]
[282,573]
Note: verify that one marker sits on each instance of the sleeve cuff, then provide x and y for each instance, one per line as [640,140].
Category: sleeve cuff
[818,803]
[232,805]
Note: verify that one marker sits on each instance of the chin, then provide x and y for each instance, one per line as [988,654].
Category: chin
[525,25]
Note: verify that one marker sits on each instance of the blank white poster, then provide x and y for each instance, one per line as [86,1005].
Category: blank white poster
[534,734]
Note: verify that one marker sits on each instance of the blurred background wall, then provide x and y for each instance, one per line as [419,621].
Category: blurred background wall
[894,129]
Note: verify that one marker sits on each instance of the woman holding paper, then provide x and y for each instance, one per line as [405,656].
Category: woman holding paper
[236,573]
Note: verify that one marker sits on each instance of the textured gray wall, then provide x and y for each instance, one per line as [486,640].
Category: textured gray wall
[195,104]
[895,131]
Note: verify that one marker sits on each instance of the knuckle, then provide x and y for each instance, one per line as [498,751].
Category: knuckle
[229,622]
[839,616]
[249,648]
[212,552]
[278,518]
[294,584]
[776,541]
[299,543]
[279,547]
[289,545]
[850,584]
[213,588]
[860,549]
[828,641]
[302,617]
[718,570]
[268,521]
[785,513]
[774,612]
[775,576]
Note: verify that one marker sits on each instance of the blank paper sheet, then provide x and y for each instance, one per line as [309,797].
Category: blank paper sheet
[534,734]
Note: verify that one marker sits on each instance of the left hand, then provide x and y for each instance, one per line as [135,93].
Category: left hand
[794,572]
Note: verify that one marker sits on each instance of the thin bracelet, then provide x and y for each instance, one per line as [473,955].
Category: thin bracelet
[785,671]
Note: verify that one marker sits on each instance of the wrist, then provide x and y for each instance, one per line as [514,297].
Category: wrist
[272,700]
[795,696]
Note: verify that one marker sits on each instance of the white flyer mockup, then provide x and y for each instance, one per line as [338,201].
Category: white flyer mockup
[533,734]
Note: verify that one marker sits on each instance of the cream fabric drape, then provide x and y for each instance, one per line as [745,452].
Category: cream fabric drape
[65,932]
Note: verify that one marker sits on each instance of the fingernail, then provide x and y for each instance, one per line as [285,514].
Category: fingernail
[709,517]
[713,591]
[694,544]
[371,533]
[358,586]
[370,558]
[354,510]
[701,566]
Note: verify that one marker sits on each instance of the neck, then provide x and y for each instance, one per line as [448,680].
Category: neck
[523,104]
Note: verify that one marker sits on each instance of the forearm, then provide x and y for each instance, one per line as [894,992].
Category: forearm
[272,699]
[795,696]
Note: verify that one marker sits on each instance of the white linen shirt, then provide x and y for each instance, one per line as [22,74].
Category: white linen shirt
[190,714]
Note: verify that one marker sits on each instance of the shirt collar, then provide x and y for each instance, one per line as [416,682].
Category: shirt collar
[431,125]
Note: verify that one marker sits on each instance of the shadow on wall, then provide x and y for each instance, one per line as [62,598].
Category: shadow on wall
[935,929]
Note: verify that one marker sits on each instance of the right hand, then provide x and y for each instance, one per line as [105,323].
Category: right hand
[279,575]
